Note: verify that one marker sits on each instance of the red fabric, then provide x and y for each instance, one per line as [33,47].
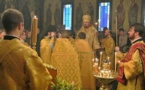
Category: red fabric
[141,48]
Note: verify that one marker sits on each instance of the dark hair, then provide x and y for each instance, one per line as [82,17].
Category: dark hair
[105,28]
[65,34]
[82,35]
[2,30]
[11,19]
[138,27]
[121,29]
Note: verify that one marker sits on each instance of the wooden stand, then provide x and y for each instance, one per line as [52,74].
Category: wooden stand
[53,73]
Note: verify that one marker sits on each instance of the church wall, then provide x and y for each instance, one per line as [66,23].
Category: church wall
[53,4]
[126,5]
[37,7]
[85,8]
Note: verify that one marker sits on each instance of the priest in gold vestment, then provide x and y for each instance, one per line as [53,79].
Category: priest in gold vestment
[46,46]
[86,64]
[20,66]
[91,32]
[65,59]
[108,45]
[131,75]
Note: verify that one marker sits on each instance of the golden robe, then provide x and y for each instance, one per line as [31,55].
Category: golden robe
[65,59]
[109,45]
[86,64]
[72,40]
[21,68]
[91,36]
[25,43]
[46,46]
[133,72]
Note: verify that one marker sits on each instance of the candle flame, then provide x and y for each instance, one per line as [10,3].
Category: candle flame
[96,23]
[96,59]
[108,58]
[35,16]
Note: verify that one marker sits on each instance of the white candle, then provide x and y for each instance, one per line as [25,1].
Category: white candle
[96,59]
[108,58]
[96,23]
[93,60]
[100,58]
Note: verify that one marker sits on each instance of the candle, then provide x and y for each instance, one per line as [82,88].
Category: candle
[108,58]
[99,68]
[100,58]
[116,29]
[96,60]
[115,61]
[109,66]
[93,60]
[96,23]
[34,31]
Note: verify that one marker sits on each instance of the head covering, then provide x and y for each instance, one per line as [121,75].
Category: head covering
[86,18]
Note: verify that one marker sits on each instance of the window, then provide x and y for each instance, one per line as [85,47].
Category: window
[104,11]
[143,12]
[67,16]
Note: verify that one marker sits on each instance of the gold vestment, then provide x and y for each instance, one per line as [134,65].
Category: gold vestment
[91,36]
[21,68]
[86,64]
[46,46]
[133,72]
[65,59]
[109,45]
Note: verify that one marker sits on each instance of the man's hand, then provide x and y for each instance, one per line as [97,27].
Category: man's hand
[120,63]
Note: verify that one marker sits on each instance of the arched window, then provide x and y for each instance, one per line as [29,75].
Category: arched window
[104,13]
[143,12]
[67,14]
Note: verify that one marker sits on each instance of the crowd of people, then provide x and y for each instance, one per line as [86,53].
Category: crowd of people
[22,69]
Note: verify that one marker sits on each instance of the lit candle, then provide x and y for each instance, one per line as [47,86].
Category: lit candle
[34,31]
[96,23]
[96,60]
[109,65]
[99,68]
[93,60]
[100,58]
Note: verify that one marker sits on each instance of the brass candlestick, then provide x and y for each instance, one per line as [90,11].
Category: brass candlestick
[105,75]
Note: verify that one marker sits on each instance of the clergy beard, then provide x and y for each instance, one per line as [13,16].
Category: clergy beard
[86,26]
[105,36]
[131,37]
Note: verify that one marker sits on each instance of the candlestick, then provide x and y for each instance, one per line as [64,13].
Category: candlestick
[34,32]
[100,58]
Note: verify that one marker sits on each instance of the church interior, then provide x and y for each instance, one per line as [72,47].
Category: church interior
[109,20]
